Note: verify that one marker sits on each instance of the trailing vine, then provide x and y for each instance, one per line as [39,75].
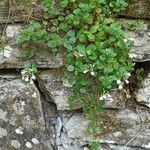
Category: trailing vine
[97,47]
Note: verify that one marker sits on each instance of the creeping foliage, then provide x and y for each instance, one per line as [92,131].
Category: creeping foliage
[97,49]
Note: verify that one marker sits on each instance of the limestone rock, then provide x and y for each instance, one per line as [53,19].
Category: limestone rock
[141,41]
[10,55]
[143,93]
[76,126]
[119,127]
[50,82]
[129,125]
[58,126]
[69,148]
[117,101]
[119,147]
[138,9]
[20,10]
[21,118]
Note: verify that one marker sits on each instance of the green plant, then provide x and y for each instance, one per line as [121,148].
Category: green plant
[133,25]
[97,49]
[140,74]
[26,52]
[29,71]
[2,43]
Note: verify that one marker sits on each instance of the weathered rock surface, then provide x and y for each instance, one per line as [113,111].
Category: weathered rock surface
[129,126]
[76,126]
[141,47]
[117,101]
[138,9]
[121,128]
[143,93]
[10,55]
[51,83]
[119,147]
[18,11]
[22,125]
[21,10]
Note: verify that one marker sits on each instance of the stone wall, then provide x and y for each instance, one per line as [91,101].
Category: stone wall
[38,116]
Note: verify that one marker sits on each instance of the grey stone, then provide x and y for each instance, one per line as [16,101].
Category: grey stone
[45,59]
[138,9]
[58,127]
[141,44]
[12,31]
[20,12]
[77,125]
[118,147]
[143,93]
[120,127]
[129,126]
[51,83]
[117,102]
[24,118]
[69,148]
[10,56]
[65,140]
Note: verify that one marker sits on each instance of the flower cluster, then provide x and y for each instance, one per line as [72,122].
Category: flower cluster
[106,96]
[132,55]
[28,75]
[121,83]
[91,68]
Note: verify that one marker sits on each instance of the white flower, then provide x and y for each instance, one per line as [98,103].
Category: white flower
[23,77]
[128,74]
[109,96]
[131,39]
[26,79]
[131,55]
[81,55]
[120,87]
[101,98]
[119,82]
[33,77]
[85,71]
[104,96]
[92,73]
[127,81]
[23,72]
[31,81]
[125,40]
[85,148]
